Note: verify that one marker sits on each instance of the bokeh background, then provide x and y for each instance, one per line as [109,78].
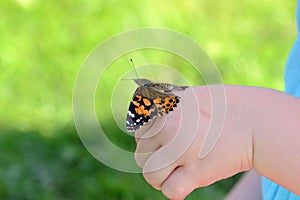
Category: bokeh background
[44,43]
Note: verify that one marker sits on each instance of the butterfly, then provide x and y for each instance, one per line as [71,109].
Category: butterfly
[150,100]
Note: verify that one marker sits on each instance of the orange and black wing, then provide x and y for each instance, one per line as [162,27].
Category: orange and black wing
[147,104]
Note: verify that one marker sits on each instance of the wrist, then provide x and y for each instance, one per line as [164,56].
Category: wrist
[241,121]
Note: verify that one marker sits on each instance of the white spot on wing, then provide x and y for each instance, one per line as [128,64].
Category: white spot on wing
[131,114]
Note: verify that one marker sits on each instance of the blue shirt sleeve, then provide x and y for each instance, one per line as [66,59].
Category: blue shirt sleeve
[271,190]
[292,70]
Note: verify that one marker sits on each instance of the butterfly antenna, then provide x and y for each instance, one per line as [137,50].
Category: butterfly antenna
[134,71]
[134,68]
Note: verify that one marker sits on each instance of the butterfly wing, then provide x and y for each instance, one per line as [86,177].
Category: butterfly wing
[166,104]
[165,87]
[146,104]
[141,110]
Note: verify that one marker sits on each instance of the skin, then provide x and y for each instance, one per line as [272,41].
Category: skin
[260,131]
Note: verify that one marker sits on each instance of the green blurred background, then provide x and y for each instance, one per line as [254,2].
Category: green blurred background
[44,43]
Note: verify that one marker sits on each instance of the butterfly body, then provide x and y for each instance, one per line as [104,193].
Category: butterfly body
[150,100]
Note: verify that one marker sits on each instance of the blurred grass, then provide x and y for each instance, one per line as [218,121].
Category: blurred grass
[60,168]
[43,44]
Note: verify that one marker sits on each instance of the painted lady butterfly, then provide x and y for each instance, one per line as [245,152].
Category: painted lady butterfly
[150,100]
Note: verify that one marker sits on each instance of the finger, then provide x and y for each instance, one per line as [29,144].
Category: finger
[144,129]
[181,182]
[159,165]
[156,178]
[150,129]
[147,140]
[144,150]
[165,149]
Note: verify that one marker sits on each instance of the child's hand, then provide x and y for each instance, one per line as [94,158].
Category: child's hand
[171,148]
